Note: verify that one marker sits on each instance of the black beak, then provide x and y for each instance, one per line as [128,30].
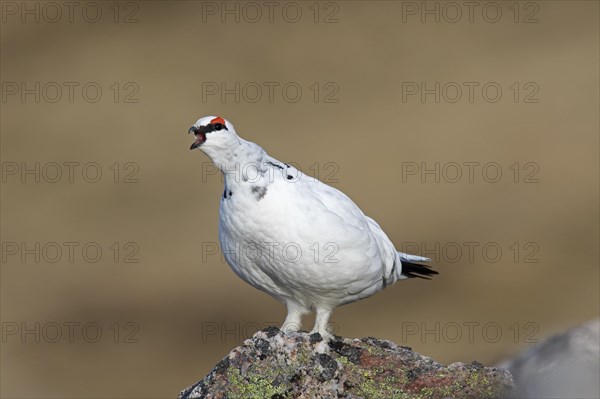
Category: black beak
[200,137]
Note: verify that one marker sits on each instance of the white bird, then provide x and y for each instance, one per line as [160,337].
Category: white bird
[297,239]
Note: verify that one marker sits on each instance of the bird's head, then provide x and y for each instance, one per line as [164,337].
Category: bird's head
[212,132]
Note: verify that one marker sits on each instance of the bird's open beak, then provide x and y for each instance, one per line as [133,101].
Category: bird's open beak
[200,137]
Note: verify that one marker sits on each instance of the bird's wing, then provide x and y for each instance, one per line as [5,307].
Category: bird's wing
[365,253]
[391,267]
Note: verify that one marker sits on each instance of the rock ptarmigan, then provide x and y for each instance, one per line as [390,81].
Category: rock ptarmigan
[295,238]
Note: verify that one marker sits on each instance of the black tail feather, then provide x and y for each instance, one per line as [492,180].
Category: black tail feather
[412,270]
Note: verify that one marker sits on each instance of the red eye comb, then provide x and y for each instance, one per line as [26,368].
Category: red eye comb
[218,119]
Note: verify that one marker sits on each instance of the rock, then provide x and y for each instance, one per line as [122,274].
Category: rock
[274,365]
[566,365]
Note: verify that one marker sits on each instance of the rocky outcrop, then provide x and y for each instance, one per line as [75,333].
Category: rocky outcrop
[275,365]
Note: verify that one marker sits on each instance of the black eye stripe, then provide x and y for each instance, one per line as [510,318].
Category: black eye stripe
[211,128]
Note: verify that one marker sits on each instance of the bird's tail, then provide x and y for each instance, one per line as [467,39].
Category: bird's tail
[412,270]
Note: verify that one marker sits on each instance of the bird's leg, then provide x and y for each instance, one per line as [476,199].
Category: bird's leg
[293,321]
[322,322]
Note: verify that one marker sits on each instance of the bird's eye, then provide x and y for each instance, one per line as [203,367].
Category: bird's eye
[218,126]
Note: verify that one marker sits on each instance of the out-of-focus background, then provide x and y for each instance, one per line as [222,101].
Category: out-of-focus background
[470,133]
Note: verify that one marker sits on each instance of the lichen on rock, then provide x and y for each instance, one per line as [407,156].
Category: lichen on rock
[274,365]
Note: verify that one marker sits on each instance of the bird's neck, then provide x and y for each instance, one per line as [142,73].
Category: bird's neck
[239,162]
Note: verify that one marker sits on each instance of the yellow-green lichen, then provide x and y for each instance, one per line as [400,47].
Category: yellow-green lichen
[478,382]
[253,387]
[370,388]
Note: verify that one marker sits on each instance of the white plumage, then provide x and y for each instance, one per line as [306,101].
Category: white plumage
[294,237]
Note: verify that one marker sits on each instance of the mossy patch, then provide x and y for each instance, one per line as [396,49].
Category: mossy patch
[253,387]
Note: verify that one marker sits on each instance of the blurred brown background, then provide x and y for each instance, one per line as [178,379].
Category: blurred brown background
[184,313]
